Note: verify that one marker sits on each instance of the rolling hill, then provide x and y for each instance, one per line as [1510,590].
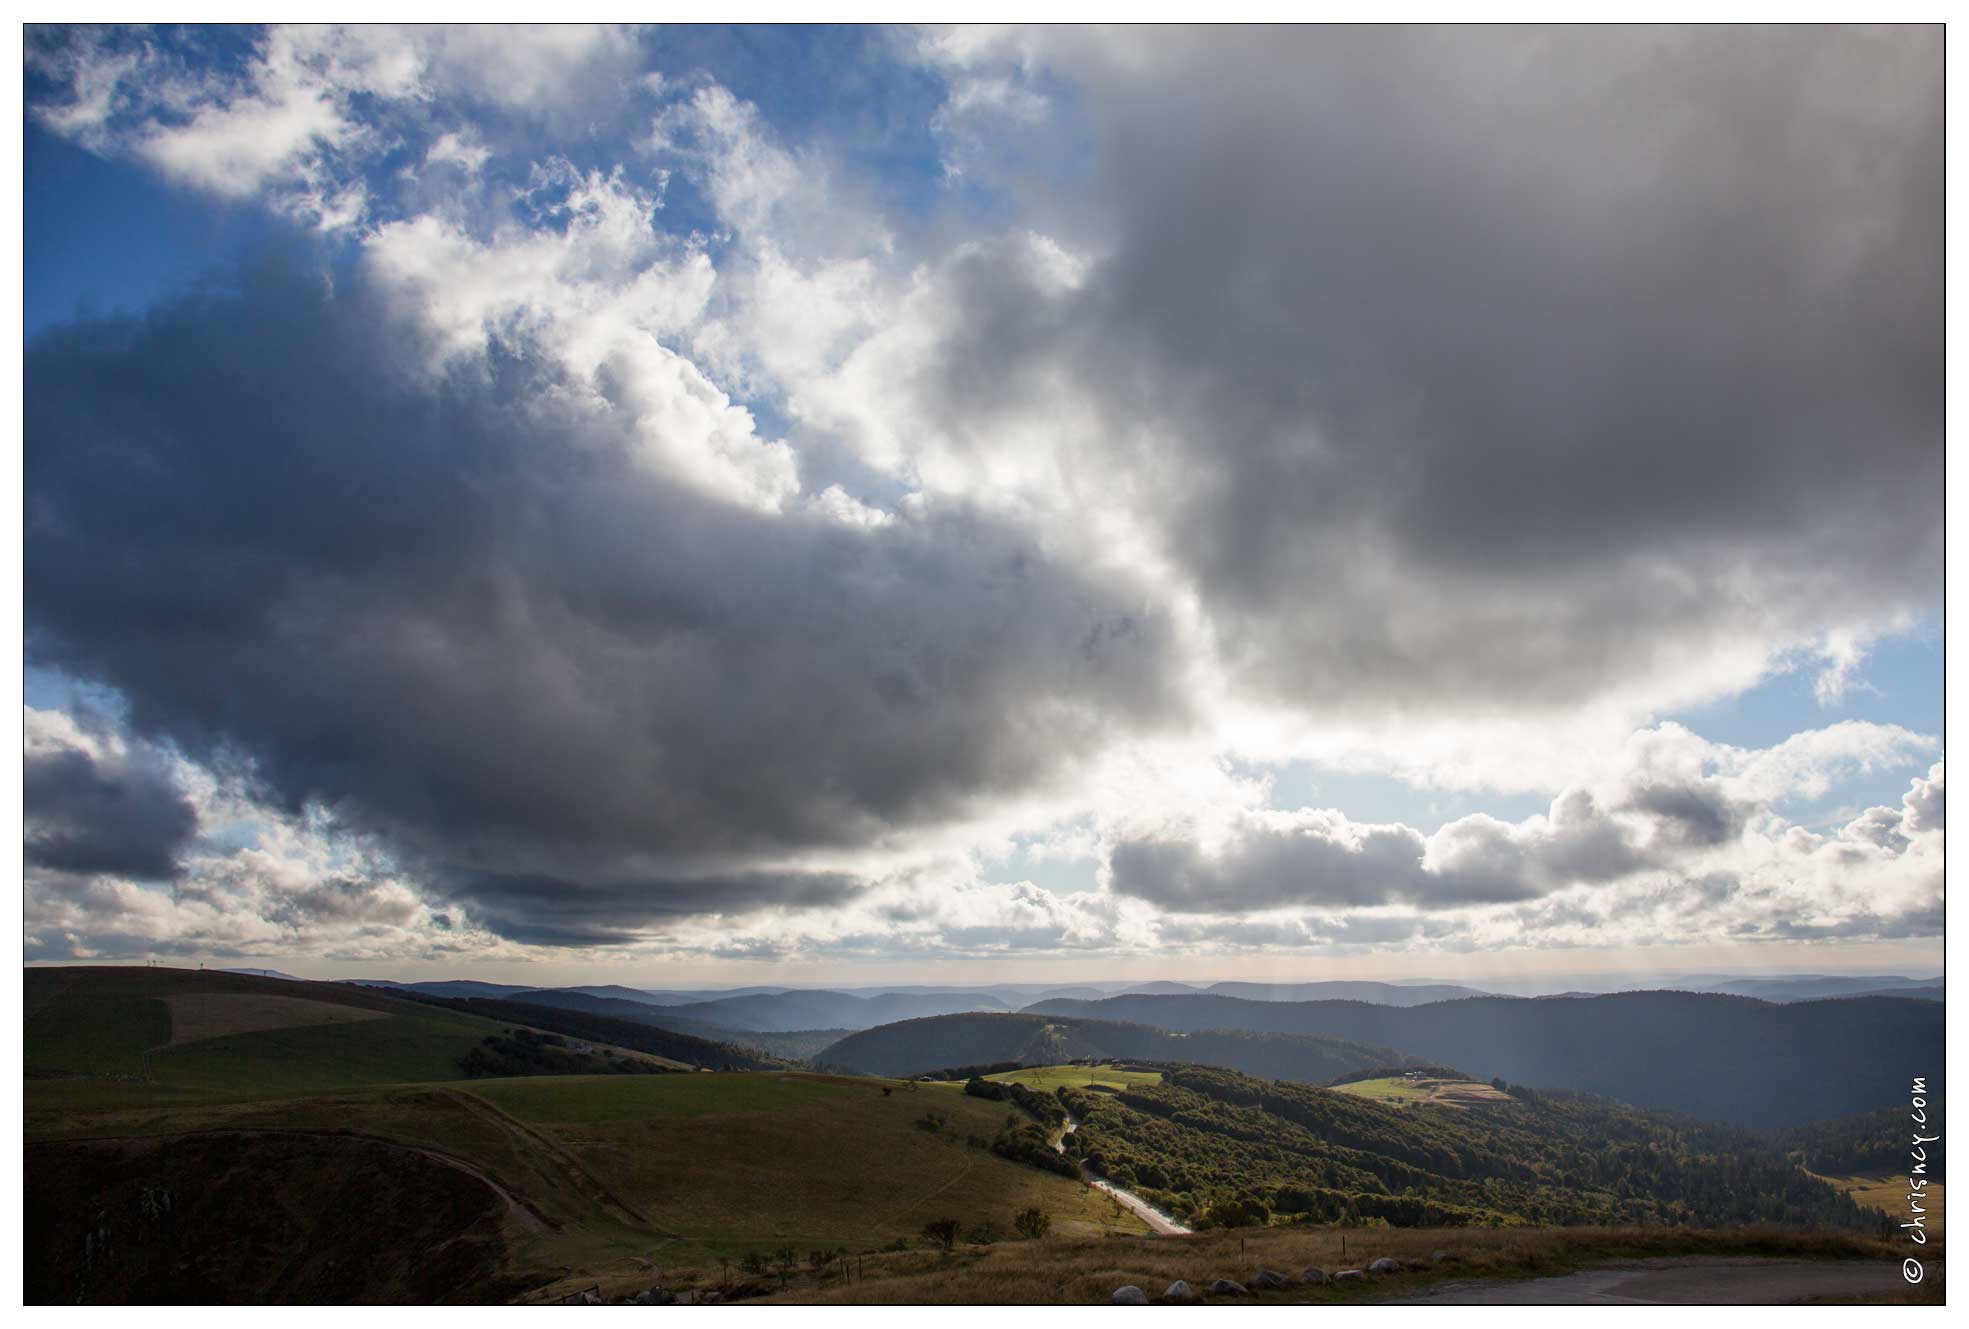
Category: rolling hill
[916,1047]
[1224,1149]
[1927,993]
[450,987]
[1812,987]
[316,1142]
[1719,1058]
[709,1054]
[173,1033]
[143,1034]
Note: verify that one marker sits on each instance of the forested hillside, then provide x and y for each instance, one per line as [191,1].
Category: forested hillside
[1866,1142]
[914,1047]
[1720,1058]
[1222,1149]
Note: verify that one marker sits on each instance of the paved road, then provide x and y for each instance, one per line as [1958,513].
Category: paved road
[1159,1223]
[1682,1281]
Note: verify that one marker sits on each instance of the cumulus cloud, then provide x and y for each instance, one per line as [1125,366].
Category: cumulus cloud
[1504,369]
[300,116]
[651,539]
[1696,840]
[463,615]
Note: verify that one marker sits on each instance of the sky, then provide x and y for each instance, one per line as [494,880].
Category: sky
[724,506]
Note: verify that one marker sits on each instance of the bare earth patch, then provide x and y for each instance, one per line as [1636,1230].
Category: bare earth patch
[200,1015]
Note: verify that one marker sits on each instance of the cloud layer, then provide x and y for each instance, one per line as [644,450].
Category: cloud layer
[608,519]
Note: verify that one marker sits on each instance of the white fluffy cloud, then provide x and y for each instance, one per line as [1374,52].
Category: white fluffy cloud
[1686,824]
[1242,376]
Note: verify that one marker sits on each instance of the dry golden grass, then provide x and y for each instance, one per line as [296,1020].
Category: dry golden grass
[1084,1272]
[1399,1090]
[202,1015]
[1888,1192]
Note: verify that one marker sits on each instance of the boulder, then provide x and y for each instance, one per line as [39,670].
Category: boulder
[1439,1257]
[1267,1279]
[1384,1265]
[709,1299]
[1180,1293]
[1129,1295]
[1229,1287]
[1313,1276]
[1348,1276]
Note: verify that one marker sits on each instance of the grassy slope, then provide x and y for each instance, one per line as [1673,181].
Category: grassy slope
[609,1174]
[622,1173]
[1048,1078]
[1888,1192]
[1397,1090]
[753,1161]
[102,1037]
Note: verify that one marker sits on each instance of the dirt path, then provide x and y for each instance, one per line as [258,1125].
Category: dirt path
[1682,1281]
[545,1150]
[1159,1223]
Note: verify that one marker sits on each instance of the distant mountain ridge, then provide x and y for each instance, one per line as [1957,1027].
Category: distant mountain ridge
[794,1045]
[1812,987]
[1380,994]
[787,1011]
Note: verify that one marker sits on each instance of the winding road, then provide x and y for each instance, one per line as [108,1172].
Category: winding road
[1159,1223]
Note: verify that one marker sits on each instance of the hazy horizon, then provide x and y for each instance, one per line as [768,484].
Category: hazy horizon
[1509,980]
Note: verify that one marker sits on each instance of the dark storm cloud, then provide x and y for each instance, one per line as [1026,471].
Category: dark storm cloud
[555,911]
[463,615]
[120,815]
[1506,364]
